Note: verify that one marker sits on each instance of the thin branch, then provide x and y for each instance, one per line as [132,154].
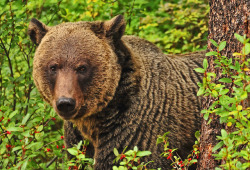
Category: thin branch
[53,160]
[11,72]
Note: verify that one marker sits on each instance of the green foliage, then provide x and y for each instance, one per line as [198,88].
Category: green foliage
[30,131]
[24,125]
[176,26]
[171,154]
[130,159]
[80,160]
[234,143]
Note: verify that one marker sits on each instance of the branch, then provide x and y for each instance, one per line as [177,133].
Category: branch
[53,160]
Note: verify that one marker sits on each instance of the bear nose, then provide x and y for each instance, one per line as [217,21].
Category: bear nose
[64,104]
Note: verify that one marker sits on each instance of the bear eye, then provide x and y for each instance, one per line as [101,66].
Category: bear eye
[53,68]
[82,69]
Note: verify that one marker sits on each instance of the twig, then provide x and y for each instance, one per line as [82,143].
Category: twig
[53,160]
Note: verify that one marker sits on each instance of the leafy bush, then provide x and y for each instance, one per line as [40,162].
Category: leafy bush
[80,159]
[31,135]
[177,26]
[171,154]
[229,104]
[131,159]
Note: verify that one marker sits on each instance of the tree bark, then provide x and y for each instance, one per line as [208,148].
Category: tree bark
[227,17]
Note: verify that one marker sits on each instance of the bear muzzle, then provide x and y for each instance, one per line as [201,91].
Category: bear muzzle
[66,107]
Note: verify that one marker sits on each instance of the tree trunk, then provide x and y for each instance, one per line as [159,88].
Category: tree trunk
[226,18]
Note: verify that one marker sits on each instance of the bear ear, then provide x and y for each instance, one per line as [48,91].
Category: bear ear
[115,27]
[37,30]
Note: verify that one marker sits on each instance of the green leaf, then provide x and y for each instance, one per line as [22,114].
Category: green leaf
[5,162]
[213,42]
[25,164]
[79,145]
[71,163]
[86,142]
[81,156]
[13,114]
[39,135]
[224,91]
[159,140]
[237,54]
[27,133]
[223,119]
[63,11]
[14,129]
[223,133]
[37,119]
[211,53]
[165,134]
[122,168]
[205,63]
[206,116]
[210,74]
[225,80]
[244,95]
[136,149]
[197,134]
[239,165]
[41,105]
[124,149]
[199,70]
[116,152]
[40,128]
[248,88]
[129,152]
[239,38]
[217,146]
[35,145]
[201,91]
[115,168]
[143,153]
[237,65]
[16,148]
[216,168]
[247,48]
[214,93]
[123,164]
[72,151]
[222,45]
[204,82]
[193,161]
[26,118]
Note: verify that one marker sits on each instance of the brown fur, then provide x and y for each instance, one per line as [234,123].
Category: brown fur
[130,93]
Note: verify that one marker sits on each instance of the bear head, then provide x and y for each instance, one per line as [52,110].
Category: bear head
[76,67]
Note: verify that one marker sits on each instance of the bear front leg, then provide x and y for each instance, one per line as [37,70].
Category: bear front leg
[72,136]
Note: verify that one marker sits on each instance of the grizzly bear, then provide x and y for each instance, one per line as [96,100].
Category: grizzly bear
[116,90]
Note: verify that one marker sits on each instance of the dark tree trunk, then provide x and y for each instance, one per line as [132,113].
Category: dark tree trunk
[226,18]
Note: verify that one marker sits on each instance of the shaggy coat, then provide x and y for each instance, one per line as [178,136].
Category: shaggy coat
[116,90]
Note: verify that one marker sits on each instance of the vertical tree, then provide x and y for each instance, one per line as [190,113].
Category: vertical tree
[226,19]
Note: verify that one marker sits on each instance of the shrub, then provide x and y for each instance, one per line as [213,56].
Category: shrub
[229,96]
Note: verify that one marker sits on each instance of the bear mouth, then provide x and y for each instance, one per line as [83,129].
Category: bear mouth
[81,112]
[67,115]
[75,114]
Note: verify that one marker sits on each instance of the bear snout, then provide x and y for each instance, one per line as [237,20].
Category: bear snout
[66,106]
